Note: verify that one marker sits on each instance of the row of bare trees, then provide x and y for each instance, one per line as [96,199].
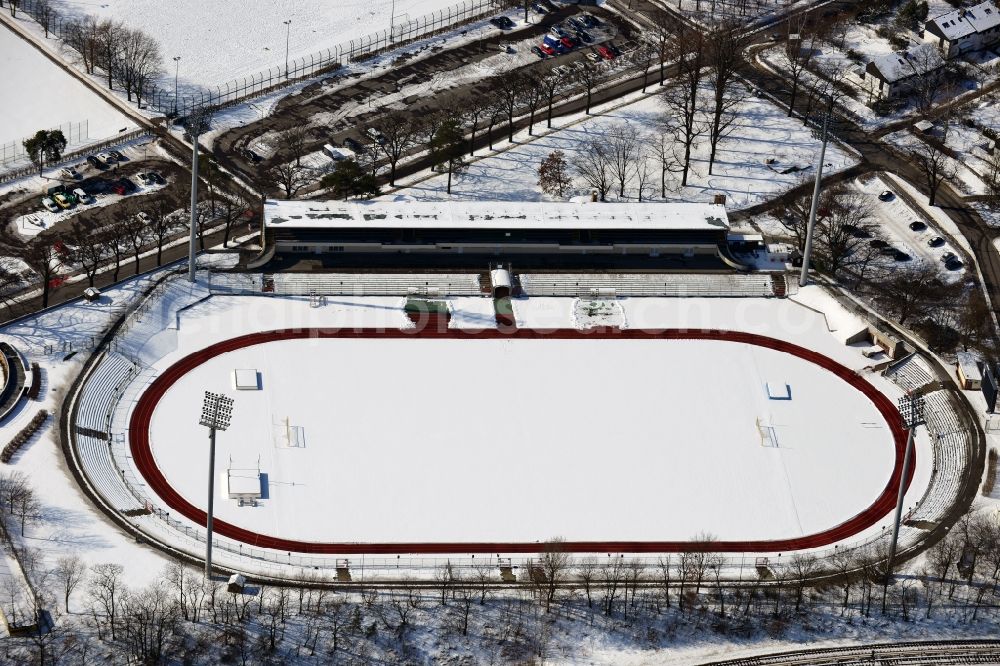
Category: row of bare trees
[127,56]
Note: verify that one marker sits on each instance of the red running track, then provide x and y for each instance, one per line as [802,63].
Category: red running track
[144,460]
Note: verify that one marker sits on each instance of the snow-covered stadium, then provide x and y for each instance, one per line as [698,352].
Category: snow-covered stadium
[385,420]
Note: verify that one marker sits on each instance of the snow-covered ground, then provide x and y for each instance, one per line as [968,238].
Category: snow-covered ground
[227,39]
[39,95]
[449,467]
[741,172]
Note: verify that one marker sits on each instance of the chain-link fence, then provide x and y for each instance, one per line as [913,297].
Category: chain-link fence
[76,133]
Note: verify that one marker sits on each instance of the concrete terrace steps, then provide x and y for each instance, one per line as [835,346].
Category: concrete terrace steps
[648,284]
[375,284]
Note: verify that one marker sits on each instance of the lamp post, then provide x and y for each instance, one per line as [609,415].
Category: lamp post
[177,69]
[216,413]
[197,121]
[911,412]
[823,135]
[288,36]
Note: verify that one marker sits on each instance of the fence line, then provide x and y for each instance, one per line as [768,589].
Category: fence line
[163,100]
[76,154]
[75,133]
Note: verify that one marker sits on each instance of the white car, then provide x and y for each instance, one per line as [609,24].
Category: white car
[50,205]
[69,173]
[106,158]
[82,196]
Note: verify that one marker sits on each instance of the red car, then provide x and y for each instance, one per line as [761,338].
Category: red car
[606,53]
[547,50]
[568,42]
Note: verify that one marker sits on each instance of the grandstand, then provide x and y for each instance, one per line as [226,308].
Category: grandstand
[373,284]
[647,284]
[475,234]
[911,373]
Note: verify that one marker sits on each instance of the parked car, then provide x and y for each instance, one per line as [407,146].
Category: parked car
[354,146]
[605,52]
[106,158]
[937,241]
[918,226]
[62,201]
[547,50]
[901,256]
[886,195]
[129,185]
[82,197]
[539,9]
[252,156]
[590,20]
[143,179]
[50,205]
[118,188]
[561,70]
[156,178]
[584,37]
[119,157]
[887,251]
[593,57]
[502,22]
[375,135]
[953,264]
[94,162]
[947,256]
[69,173]
[561,31]
[577,22]
[568,42]
[538,51]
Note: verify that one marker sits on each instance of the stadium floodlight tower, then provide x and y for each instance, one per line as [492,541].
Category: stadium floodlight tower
[911,412]
[197,122]
[216,414]
[823,135]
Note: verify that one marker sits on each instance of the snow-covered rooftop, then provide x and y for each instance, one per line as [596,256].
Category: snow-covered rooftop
[903,64]
[509,215]
[960,23]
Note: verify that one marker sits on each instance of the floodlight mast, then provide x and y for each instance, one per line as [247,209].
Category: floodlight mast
[911,412]
[823,135]
[216,414]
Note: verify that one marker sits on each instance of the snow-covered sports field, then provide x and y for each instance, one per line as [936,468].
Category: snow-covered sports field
[226,39]
[384,440]
[42,96]
[393,438]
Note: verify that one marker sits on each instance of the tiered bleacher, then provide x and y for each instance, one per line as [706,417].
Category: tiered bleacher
[375,284]
[910,374]
[93,408]
[950,441]
[647,284]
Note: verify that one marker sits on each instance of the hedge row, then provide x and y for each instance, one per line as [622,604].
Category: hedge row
[23,436]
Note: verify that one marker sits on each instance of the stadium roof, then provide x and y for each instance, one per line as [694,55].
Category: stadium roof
[484,214]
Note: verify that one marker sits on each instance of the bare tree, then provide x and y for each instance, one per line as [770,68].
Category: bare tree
[725,54]
[510,89]
[105,589]
[70,571]
[399,134]
[532,94]
[296,139]
[89,250]
[593,164]
[622,140]
[554,562]
[682,101]
[137,62]
[289,178]
[551,83]
[935,164]
[45,14]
